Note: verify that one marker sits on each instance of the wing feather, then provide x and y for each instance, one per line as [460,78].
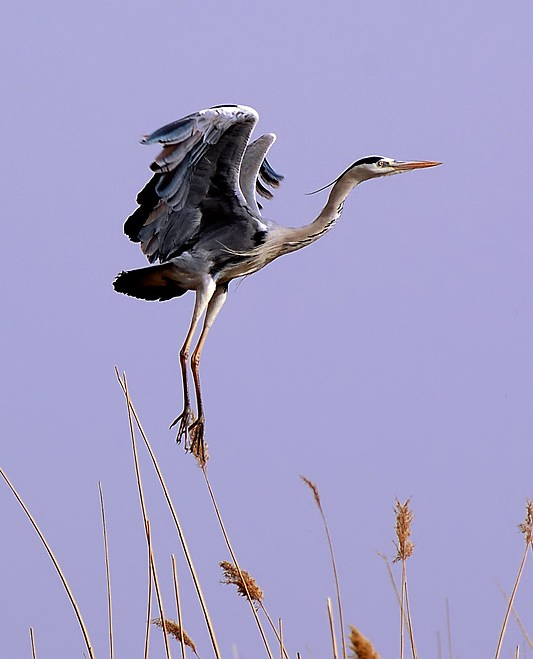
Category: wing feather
[198,180]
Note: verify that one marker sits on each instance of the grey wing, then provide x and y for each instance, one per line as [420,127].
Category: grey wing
[197,169]
[257,173]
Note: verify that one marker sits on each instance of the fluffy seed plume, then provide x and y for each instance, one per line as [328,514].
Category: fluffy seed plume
[360,646]
[174,630]
[232,576]
[404,519]
[526,527]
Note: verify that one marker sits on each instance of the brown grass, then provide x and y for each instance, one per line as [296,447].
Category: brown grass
[404,550]
[107,575]
[132,413]
[526,528]
[174,629]
[246,584]
[55,562]
[360,646]
[316,495]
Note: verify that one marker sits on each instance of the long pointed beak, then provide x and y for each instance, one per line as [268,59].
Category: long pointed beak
[414,164]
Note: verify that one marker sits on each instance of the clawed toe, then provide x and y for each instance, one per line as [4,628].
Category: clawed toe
[191,430]
[185,421]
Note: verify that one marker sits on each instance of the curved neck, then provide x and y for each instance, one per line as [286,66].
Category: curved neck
[297,237]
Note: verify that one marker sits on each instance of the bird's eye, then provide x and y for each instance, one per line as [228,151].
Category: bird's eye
[381,163]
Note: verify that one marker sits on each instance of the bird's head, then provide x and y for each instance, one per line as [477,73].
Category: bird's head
[375,166]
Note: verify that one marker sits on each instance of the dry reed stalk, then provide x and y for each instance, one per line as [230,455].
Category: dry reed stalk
[361,647]
[66,586]
[410,623]
[32,640]
[157,589]
[395,587]
[404,550]
[449,630]
[280,625]
[145,521]
[391,576]
[148,610]
[526,528]
[178,603]
[271,623]
[177,632]
[316,497]
[517,618]
[236,564]
[174,515]
[332,630]
[107,575]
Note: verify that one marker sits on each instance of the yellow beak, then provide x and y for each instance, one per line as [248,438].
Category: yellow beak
[415,164]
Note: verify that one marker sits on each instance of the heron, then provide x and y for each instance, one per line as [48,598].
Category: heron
[200,223]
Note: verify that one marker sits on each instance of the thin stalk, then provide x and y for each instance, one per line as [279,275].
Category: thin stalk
[511,601]
[410,623]
[391,576]
[402,611]
[145,523]
[395,587]
[337,586]
[280,638]
[235,562]
[148,610]
[449,630]
[158,590]
[178,603]
[316,495]
[107,574]
[332,630]
[181,535]
[273,626]
[518,620]
[32,640]
[66,586]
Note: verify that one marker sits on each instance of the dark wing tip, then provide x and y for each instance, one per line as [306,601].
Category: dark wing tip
[269,174]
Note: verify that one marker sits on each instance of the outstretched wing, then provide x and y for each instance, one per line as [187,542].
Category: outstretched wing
[195,182]
[257,173]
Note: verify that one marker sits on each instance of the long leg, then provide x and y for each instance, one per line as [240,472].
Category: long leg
[203,296]
[197,428]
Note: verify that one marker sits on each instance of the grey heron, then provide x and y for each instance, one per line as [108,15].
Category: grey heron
[198,218]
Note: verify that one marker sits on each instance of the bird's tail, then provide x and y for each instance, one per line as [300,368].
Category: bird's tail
[153,283]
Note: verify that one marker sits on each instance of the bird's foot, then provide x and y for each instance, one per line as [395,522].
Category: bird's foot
[185,421]
[196,436]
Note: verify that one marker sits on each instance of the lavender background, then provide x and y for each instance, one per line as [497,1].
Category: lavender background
[391,359]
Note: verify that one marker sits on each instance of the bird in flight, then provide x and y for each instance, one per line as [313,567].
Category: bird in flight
[199,220]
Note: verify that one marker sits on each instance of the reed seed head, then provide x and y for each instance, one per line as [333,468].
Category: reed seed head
[232,576]
[360,646]
[314,490]
[174,630]
[404,519]
[526,527]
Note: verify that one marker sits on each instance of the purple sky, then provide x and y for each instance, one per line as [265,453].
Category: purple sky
[391,359]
